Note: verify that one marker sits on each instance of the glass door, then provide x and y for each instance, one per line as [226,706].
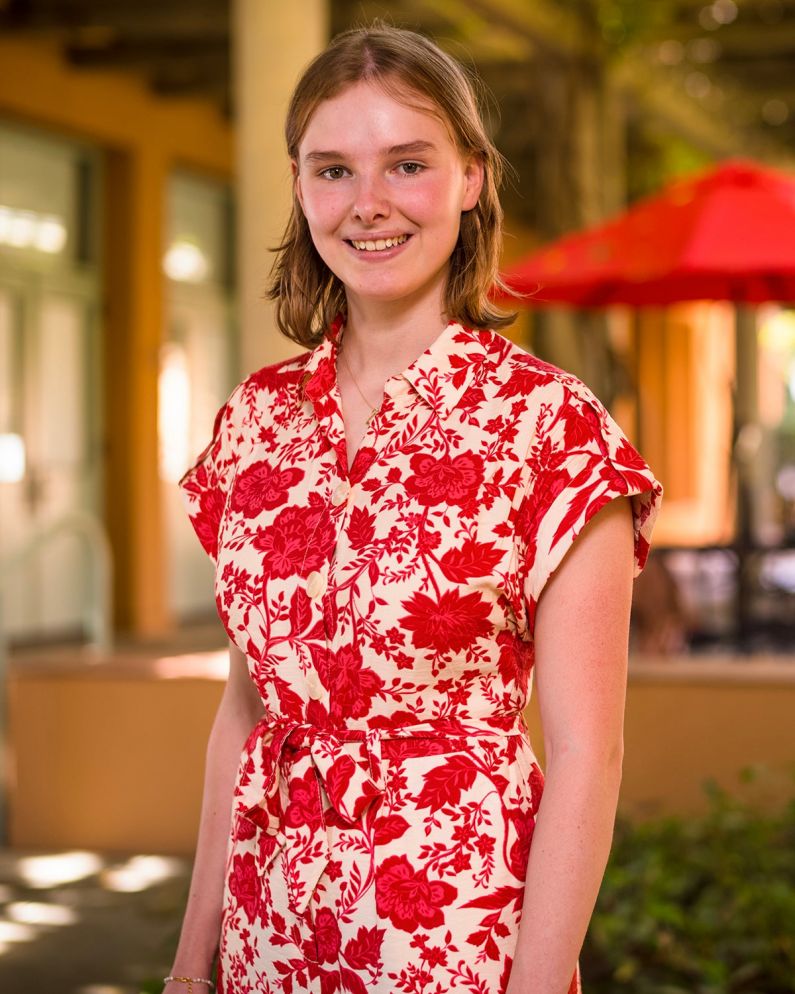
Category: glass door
[49,426]
[49,466]
[196,368]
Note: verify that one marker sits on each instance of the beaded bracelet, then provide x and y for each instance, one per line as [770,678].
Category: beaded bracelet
[190,981]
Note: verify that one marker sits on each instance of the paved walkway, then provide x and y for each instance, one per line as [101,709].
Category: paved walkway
[86,922]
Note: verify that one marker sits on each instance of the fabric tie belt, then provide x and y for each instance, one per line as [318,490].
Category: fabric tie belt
[345,765]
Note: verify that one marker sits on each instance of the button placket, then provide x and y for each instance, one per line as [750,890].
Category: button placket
[341,499]
[341,493]
[316,583]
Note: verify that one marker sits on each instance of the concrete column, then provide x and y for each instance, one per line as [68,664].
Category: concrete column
[272,44]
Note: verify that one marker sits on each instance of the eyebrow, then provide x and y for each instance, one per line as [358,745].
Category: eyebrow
[406,148]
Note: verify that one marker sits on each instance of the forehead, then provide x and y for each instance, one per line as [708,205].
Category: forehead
[369,114]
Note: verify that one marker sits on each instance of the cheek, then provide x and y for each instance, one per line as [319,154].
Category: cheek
[436,203]
[323,209]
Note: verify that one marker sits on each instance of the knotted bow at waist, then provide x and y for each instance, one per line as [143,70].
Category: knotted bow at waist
[287,768]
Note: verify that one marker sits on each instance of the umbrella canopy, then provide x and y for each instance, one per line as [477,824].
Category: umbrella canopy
[727,234]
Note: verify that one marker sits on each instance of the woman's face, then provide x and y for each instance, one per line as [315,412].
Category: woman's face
[382,186]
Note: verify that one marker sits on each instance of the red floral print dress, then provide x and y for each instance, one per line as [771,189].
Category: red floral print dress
[384,806]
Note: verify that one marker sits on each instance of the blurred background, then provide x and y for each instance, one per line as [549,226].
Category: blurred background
[143,179]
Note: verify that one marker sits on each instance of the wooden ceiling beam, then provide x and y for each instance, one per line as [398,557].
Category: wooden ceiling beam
[210,89]
[659,89]
[144,20]
[125,53]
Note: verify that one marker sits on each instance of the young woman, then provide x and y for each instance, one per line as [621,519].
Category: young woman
[392,515]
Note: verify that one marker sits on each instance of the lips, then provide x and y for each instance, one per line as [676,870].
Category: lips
[378,244]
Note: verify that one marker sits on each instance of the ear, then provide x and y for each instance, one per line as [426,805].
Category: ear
[474,176]
[297,182]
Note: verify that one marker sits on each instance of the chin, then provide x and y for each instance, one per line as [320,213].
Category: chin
[382,294]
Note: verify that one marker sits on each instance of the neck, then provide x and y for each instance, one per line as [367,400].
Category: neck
[381,342]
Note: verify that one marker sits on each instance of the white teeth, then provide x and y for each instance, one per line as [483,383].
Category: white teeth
[380,244]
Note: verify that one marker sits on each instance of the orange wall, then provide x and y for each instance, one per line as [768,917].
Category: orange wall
[685,372]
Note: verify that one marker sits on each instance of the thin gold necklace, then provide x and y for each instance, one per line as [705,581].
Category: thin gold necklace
[373,410]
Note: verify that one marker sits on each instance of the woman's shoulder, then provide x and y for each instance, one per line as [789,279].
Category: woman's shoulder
[529,376]
[276,382]
[276,376]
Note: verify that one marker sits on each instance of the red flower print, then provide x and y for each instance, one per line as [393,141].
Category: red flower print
[444,783]
[266,846]
[427,541]
[580,425]
[519,852]
[245,829]
[637,472]
[244,884]
[549,484]
[208,521]
[435,956]
[261,487]
[469,560]
[536,780]
[448,624]
[316,713]
[273,377]
[408,898]
[304,805]
[361,530]
[353,686]
[506,973]
[445,480]
[322,380]
[297,542]
[327,935]
[388,828]
[364,950]
[363,461]
[516,659]
[524,378]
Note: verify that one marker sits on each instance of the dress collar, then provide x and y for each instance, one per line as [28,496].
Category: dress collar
[440,375]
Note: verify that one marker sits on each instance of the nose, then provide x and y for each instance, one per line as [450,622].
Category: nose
[370,202]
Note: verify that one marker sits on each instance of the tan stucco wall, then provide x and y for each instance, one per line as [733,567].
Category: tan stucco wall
[111,763]
[113,757]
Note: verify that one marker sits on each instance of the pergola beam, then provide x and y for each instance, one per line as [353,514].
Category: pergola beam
[659,89]
[143,19]
[149,55]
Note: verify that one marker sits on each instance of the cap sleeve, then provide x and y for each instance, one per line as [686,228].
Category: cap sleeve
[205,486]
[580,462]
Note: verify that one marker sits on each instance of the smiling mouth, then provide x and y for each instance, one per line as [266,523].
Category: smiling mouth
[379,244]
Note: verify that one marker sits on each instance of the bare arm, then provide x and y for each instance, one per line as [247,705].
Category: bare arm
[238,712]
[581,634]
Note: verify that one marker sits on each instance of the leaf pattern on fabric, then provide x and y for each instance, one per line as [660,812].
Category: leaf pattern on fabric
[384,806]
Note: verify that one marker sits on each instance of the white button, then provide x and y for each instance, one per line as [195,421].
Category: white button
[314,686]
[340,494]
[316,584]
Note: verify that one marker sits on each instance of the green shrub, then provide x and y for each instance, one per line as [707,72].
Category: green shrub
[697,905]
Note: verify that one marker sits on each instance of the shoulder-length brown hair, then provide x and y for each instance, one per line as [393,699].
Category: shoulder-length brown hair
[308,295]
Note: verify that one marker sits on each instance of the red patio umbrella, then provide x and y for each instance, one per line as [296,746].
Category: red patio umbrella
[725,234]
